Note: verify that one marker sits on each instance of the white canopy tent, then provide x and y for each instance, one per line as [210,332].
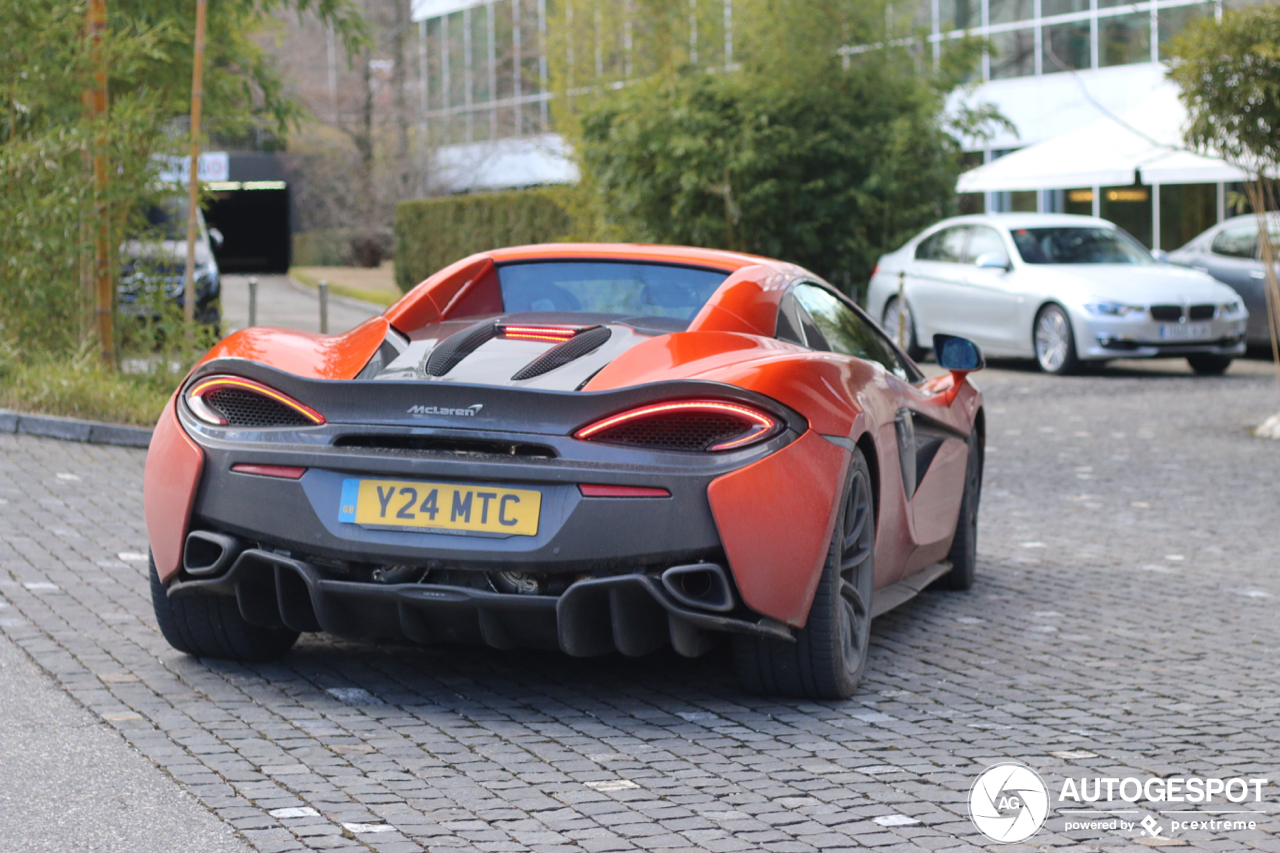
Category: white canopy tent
[1144,145]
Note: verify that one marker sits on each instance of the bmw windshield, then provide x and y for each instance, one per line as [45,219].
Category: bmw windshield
[1076,245]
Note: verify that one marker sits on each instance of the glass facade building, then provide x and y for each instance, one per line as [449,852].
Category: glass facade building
[1060,64]
[1053,66]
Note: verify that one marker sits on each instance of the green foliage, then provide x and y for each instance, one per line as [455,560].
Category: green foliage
[47,144]
[45,150]
[242,86]
[434,232]
[823,142]
[75,385]
[1229,72]
[827,175]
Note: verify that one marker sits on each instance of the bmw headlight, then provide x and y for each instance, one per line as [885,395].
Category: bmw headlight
[1112,309]
[1229,308]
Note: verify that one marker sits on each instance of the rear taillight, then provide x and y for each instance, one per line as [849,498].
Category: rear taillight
[236,401]
[691,425]
[286,472]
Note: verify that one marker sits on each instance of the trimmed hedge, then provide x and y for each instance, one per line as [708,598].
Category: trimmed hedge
[432,233]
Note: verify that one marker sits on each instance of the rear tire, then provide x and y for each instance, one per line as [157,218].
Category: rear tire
[964,547]
[1055,341]
[828,657]
[210,626]
[893,317]
[1209,364]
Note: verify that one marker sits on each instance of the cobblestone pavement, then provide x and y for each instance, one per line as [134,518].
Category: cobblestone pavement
[1124,624]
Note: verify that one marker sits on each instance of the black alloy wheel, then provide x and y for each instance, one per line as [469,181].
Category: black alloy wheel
[211,626]
[828,657]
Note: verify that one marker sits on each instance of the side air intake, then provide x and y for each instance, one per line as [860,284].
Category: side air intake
[453,349]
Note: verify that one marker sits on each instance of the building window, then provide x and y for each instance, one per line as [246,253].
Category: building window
[1130,208]
[1049,8]
[959,14]
[1124,39]
[1009,11]
[1013,54]
[1186,211]
[1079,202]
[1066,47]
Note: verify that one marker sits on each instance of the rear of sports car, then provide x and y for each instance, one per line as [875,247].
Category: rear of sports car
[464,488]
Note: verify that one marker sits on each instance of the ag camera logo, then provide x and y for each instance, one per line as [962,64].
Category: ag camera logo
[1008,802]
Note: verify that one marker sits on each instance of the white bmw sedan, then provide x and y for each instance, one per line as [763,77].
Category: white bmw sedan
[1065,290]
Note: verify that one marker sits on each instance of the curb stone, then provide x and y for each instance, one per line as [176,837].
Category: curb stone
[73,429]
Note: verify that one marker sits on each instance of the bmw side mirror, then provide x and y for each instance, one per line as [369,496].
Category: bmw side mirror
[994,261]
[215,237]
[959,355]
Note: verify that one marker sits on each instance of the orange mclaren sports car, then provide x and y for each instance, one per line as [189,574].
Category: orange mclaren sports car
[590,448]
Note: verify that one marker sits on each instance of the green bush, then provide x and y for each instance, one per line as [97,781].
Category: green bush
[827,175]
[432,233]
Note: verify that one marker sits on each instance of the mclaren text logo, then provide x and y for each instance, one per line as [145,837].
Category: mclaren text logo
[469,412]
[1008,802]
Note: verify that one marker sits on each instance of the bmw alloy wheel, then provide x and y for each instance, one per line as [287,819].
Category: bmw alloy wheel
[895,316]
[1054,342]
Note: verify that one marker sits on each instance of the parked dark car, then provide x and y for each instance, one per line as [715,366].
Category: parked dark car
[156,260]
[1229,252]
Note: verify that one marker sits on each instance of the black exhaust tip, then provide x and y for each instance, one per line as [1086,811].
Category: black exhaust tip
[701,585]
[208,554]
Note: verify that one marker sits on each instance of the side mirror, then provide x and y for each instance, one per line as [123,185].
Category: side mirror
[215,237]
[994,261]
[959,355]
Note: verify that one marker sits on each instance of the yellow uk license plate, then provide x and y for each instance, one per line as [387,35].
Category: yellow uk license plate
[440,506]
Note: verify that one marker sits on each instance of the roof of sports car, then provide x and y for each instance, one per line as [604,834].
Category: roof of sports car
[634,252]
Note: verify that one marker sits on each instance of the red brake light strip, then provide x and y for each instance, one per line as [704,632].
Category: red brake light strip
[761,421]
[204,386]
[593,491]
[287,472]
[550,334]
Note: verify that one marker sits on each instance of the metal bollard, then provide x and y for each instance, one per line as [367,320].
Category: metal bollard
[902,309]
[324,307]
[253,302]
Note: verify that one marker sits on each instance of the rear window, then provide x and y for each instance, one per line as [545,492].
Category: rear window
[591,287]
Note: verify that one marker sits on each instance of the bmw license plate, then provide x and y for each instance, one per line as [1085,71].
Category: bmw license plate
[440,507]
[1184,332]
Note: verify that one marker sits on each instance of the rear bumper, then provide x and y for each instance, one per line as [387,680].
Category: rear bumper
[630,613]
[575,533]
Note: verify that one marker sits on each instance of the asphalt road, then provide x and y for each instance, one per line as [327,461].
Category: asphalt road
[289,305]
[1124,624]
[70,783]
